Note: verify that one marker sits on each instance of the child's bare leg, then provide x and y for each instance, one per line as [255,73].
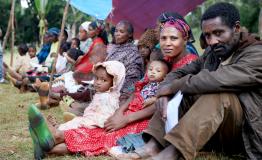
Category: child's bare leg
[57,134]
[12,73]
[51,120]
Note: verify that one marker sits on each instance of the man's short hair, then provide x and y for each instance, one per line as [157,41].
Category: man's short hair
[228,13]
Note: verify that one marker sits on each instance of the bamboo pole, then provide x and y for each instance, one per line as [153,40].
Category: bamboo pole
[12,32]
[7,33]
[59,42]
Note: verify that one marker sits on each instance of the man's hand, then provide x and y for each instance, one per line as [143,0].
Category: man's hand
[116,121]
[161,105]
[165,90]
[149,101]
[171,88]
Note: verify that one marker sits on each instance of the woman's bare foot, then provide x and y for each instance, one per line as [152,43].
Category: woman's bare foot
[148,150]
[169,153]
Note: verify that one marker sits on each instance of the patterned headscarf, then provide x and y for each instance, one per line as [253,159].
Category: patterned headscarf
[98,24]
[180,25]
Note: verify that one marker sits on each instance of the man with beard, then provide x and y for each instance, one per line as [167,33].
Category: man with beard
[221,108]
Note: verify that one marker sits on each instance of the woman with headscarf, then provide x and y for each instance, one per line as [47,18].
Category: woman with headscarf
[164,17]
[85,41]
[83,66]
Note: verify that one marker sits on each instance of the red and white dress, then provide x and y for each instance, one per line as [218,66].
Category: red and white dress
[97,141]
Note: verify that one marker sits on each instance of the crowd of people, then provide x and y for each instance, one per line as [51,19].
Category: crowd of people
[115,93]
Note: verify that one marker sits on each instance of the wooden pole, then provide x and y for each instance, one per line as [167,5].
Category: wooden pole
[7,33]
[260,21]
[59,42]
[13,32]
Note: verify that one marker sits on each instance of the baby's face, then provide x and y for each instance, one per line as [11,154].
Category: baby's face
[156,71]
[103,81]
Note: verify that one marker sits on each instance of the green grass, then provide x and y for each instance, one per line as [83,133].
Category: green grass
[15,141]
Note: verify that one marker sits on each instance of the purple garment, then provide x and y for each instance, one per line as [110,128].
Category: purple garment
[127,54]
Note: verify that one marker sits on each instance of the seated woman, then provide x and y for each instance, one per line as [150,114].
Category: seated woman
[125,120]
[83,65]
[125,51]
[165,16]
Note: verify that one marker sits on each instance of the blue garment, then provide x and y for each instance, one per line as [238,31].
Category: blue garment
[191,48]
[1,63]
[53,31]
[131,142]
[42,55]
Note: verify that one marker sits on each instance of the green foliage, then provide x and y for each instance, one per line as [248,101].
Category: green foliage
[249,13]
[27,19]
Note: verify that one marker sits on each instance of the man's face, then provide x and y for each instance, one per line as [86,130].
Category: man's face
[219,36]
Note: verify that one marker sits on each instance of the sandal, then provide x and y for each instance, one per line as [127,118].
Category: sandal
[38,152]
[43,92]
[40,129]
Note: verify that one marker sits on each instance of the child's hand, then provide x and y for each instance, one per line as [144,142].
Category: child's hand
[149,101]
[79,59]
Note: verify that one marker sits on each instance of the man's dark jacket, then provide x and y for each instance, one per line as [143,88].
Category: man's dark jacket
[242,75]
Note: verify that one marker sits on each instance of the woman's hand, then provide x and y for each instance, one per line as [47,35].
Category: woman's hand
[116,121]
[161,105]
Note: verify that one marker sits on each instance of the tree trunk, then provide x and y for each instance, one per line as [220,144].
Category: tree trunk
[73,30]
[13,32]
[7,33]
[59,42]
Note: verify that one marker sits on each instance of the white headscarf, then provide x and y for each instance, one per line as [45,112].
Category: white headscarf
[117,70]
[85,25]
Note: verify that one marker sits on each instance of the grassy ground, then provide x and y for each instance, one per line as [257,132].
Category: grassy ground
[15,142]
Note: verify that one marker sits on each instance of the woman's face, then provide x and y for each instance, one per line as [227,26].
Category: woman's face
[171,42]
[92,32]
[121,33]
[82,34]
